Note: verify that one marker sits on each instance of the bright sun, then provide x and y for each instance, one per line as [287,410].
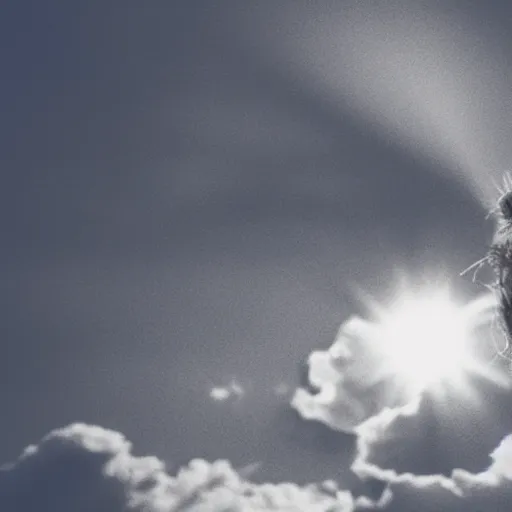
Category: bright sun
[426,339]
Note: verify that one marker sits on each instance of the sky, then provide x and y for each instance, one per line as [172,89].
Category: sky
[196,196]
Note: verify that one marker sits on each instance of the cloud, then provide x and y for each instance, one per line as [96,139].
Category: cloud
[428,448]
[461,492]
[222,393]
[89,468]
[80,467]
[219,394]
[437,434]
[362,373]
[350,384]
[400,447]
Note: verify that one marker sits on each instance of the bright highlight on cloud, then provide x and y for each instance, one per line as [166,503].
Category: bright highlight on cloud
[418,344]
[404,385]
[426,338]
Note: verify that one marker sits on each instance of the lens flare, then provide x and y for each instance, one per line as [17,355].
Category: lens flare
[424,342]
[427,339]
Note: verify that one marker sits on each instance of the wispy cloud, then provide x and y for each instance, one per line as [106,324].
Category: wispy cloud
[223,393]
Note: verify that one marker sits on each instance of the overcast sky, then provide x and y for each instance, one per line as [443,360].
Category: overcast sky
[192,193]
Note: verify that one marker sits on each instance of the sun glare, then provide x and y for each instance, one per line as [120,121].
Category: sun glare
[426,339]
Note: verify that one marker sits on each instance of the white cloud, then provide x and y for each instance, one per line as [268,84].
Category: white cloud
[219,394]
[352,386]
[462,491]
[411,441]
[377,431]
[223,393]
[502,459]
[87,468]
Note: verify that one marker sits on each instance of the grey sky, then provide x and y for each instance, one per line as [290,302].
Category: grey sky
[187,201]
